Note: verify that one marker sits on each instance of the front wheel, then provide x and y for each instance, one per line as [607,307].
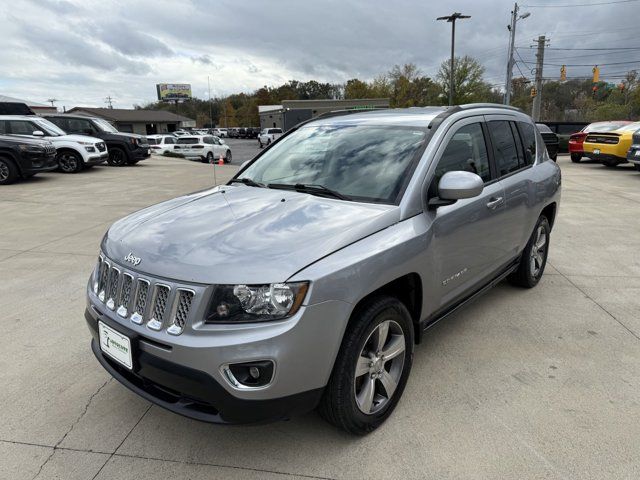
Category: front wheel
[637,166]
[534,256]
[372,367]
[69,162]
[117,157]
[576,157]
[8,171]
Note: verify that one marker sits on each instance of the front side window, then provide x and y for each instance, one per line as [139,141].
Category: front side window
[364,163]
[466,151]
[21,127]
[80,125]
[504,147]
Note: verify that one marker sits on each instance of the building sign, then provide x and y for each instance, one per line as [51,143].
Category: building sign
[173,91]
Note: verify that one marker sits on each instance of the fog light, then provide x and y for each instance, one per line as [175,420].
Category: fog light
[250,374]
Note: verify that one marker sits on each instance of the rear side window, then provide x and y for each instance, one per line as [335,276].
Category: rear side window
[169,140]
[3,127]
[465,151]
[60,122]
[504,147]
[528,135]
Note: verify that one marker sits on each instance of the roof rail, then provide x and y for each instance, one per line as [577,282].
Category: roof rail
[468,106]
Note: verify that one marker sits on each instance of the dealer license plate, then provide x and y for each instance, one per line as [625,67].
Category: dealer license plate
[596,151]
[116,345]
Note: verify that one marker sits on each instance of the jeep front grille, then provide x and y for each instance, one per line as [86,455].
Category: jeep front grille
[101,146]
[142,300]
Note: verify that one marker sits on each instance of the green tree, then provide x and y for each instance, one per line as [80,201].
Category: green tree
[468,84]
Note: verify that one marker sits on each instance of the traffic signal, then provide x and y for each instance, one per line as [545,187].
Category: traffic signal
[563,73]
[596,74]
[534,91]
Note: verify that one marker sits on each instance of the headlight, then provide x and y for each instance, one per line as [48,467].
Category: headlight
[134,141]
[255,303]
[85,143]
[26,147]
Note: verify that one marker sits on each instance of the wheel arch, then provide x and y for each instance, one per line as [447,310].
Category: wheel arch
[407,289]
[550,212]
[11,157]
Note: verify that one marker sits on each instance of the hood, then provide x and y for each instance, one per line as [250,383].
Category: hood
[75,138]
[127,135]
[240,234]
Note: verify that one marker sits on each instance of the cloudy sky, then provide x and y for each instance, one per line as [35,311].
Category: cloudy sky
[80,51]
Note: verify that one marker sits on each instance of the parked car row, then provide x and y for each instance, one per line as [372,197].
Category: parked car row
[74,142]
[610,143]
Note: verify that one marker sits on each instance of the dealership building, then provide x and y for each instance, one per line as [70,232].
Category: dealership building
[292,112]
[140,121]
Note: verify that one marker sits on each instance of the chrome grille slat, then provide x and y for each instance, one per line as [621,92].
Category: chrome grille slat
[125,295]
[142,293]
[102,282]
[181,311]
[112,288]
[159,307]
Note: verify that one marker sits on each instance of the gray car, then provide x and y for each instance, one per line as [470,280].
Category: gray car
[308,279]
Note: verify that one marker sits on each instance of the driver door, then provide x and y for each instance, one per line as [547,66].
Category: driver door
[467,244]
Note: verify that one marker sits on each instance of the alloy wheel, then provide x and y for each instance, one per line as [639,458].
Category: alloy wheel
[538,251]
[68,162]
[379,367]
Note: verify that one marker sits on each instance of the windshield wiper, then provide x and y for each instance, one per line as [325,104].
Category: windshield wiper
[247,181]
[310,188]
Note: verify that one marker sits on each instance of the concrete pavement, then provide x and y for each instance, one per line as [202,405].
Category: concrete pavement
[538,383]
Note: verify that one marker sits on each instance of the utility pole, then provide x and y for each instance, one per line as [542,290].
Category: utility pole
[109,101]
[210,110]
[537,100]
[452,20]
[510,62]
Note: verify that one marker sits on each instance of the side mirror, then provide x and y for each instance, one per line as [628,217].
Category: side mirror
[38,133]
[456,185]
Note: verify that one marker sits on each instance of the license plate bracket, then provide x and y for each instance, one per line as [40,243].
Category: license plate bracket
[116,345]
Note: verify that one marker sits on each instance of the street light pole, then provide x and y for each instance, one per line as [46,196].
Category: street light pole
[452,20]
[510,62]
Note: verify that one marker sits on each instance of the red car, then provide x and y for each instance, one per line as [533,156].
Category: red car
[576,139]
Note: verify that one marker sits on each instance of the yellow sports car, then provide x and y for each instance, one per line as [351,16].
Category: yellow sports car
[610,148]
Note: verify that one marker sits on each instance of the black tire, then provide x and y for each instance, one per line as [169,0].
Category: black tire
[576,157]
[610,163]
[339,405]
[132,161]
[228,158]
[69,161]
[260,144]
[8,171]
[117,157]
[268,142]
[532,264]
[637,166]
[208,158]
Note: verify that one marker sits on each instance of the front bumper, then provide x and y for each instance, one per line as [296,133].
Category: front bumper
[184,373]
[33,164]
[96,159]
[140,153]
[633,155]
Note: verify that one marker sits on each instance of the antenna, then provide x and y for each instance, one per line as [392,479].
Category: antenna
[51,100]
[109,101]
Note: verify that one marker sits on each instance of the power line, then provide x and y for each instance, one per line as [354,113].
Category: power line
[580,4]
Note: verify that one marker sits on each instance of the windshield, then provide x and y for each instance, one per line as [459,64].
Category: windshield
[51,129]
[364,163]
[104,125]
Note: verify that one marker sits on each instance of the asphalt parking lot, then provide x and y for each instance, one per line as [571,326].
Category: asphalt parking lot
[242,150]
[539,383]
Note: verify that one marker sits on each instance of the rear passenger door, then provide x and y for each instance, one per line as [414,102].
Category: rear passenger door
[467,245]
[514,151]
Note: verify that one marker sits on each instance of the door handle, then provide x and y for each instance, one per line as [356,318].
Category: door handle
[494,202]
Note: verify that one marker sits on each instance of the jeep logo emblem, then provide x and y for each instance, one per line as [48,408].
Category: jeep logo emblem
[131,258]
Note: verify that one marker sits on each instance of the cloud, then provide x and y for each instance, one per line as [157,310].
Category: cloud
[123,48]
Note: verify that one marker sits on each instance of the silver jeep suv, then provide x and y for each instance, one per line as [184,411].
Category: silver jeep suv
[308,279]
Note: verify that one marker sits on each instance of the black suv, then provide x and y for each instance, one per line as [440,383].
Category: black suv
[124,148]
[24,157]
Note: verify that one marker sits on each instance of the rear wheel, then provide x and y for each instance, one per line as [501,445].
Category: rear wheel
[209,158]
[8,171]
[534,256]
[576,157]
[637,166]
[372,367]
[69,162]
[610,163]
[228,158]
[117,157]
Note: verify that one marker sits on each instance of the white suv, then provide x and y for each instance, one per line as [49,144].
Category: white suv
[206,148]
[74,152]
[161,143]
[268,136]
